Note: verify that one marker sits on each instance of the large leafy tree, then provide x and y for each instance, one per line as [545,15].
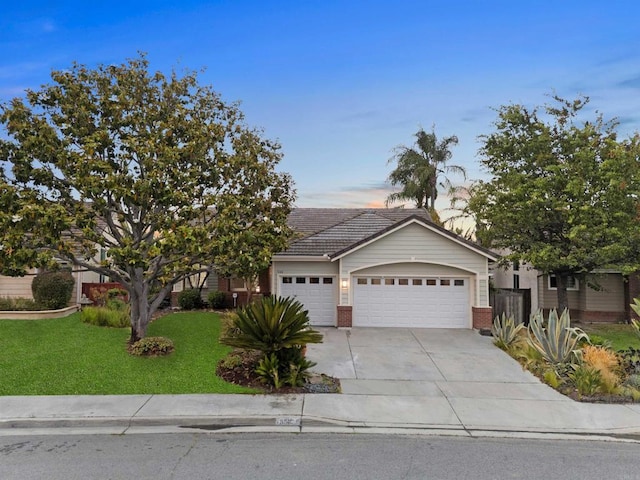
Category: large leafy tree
[156,171]
[422,169]
[563,194]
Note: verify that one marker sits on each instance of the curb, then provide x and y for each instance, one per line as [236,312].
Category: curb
[266,424]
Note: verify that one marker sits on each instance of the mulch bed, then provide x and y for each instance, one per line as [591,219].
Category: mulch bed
[596,398]
[244,374]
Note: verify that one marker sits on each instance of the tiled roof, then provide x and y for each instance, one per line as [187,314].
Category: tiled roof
[331,230]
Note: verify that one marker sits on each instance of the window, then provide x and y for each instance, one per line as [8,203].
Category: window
[389,281]
[458,283]
[445,282]
[362,281]
[431,282]
[516,281]
[327,280]
[239,285]
[375,281]
[314,280]
[403,281]
[572,283]
[301,280]
[416,281]
[286,279]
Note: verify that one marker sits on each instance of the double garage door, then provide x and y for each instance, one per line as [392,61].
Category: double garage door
[385,301]
[411,302]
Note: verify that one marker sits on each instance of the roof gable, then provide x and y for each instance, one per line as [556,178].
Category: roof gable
[428,226]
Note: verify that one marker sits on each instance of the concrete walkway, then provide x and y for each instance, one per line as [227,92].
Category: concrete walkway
[424,383]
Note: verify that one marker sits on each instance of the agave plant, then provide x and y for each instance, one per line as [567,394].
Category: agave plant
[635,323]
[505,331]
[272,325]
[558,340]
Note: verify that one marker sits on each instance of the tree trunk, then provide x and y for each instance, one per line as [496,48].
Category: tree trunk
[561,290]
[249,284]
[140,310]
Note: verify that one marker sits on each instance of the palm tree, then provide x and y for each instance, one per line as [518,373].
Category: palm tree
[422,169]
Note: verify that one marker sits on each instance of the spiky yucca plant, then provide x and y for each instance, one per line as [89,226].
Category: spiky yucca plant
[558,340]
[505,331]
[272,326]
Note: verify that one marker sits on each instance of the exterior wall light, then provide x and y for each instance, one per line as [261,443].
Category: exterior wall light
[344,283]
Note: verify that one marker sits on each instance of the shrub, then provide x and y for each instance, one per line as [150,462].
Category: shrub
[216,299]
[190,299]
[279,328]
[105,317]
[117,304]
[505,331]
[272,325]
[228,325]
[551,378]
[606,362]
[52,290]
[630,360]
[152,346]
[597,340]
[231,361]
[556,342]
[633,380]
[635,323]
[268,370]
[18,304]
[586,379]
[298,372]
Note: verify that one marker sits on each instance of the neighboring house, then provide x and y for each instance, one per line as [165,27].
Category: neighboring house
[382,268]
[602,296]
[20,287]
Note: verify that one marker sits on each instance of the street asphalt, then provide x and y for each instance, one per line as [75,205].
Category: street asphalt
[416,381]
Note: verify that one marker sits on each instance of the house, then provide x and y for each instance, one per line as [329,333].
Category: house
[602,296]
[20,287]
[380,268]
[372,267]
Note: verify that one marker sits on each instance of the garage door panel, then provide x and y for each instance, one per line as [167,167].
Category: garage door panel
[317,294]
[411,302]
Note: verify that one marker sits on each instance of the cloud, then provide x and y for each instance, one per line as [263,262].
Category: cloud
[628,120]
[370,195]
[633,82]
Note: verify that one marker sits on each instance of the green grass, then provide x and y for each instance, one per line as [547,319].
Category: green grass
[67,357]
[621,336]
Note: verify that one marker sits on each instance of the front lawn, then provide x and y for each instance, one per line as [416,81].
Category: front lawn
[620,335]
[67,357]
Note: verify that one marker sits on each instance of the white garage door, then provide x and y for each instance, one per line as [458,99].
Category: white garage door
[411,302]
[317,294]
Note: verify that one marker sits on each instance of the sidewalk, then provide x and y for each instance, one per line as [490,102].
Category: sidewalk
[454,413]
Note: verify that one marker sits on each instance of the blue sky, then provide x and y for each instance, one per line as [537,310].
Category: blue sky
[341,83]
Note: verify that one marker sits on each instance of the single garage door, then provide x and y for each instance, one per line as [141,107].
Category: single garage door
[317,294]
[411,302]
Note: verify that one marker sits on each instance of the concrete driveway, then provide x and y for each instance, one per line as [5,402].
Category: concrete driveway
[423,362]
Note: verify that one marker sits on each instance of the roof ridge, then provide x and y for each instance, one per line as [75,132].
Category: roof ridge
[333,224]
